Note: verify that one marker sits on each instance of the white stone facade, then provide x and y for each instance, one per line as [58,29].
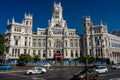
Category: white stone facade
[46,42]
[95,39]
[99,43]
[114,49]
[59,39]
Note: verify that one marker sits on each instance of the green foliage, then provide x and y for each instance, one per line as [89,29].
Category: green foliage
[89,58]
[2,44]
[25,57]
[36,58]
[82,58]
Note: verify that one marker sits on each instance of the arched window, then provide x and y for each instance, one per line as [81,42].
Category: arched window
[57,26]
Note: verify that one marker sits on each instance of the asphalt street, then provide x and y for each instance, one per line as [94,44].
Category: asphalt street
[56,73]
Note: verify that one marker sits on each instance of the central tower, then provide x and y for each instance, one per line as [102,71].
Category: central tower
[57,20]
[57,11]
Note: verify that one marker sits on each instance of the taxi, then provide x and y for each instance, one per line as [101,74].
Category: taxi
[35,70]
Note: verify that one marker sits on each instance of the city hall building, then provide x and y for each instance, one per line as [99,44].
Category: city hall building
[58,42]
[55,42]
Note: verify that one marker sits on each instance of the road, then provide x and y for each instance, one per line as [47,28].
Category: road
[56,73]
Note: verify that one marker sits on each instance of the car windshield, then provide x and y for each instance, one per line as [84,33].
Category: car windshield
[96,67]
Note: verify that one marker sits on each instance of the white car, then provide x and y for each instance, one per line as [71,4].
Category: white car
[116,66]
[35,70]
[101,69]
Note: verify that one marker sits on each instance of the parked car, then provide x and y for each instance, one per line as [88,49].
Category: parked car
[87,73]
[20,64]
[115,66]
[35,70]
[101,69]
[5,67]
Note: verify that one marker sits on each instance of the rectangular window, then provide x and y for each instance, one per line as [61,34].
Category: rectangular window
[25,51]
[56,14]
[71,53]
[49,52]
[18,52]
[15,29]
[44,52]
[39,44]
[12,50]
[71,44]
[29,51]
[76,44]
[66,54]
[25,43]
[27,22]
[44,44]
[16,42]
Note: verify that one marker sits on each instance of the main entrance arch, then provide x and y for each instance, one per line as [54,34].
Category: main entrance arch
[58,50]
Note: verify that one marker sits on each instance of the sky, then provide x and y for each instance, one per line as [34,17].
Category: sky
[73,10]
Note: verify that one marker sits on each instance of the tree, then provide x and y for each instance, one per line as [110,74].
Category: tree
[89,58]
[2,44]
[25,57]
[82,58]
[36,58]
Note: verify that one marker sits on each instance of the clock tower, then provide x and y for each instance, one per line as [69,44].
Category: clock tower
[57,18]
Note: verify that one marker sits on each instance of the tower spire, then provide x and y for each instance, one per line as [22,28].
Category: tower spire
[13,20]
[101,23]
[59,3]
[8,22]
[54,2]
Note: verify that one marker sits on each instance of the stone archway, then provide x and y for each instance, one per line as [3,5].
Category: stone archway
[58,47]
[58,50]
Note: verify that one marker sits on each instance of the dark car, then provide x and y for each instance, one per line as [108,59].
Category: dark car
[5,67]
[20,64]
[87,73]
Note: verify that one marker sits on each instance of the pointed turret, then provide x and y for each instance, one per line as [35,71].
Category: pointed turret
[101,23]
[8,22]
[59,4]
[13,20]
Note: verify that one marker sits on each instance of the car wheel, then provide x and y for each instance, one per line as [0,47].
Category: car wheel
[106,72]
[96,77]
[43,72]
[30,73]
